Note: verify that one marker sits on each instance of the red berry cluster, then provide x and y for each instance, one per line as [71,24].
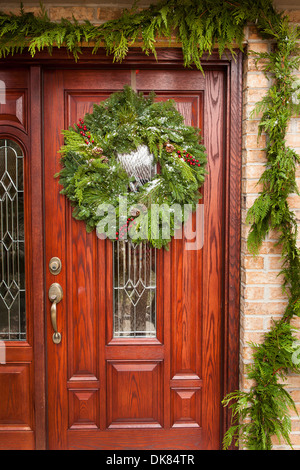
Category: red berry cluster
[124,228]
[84,132]
[188,158]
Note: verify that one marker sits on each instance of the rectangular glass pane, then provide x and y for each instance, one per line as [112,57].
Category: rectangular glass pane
[134,290]
[12,247]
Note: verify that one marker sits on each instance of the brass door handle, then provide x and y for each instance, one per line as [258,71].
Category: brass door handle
[55,296]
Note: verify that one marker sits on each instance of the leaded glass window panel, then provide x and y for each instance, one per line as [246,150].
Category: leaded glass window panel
[12,242]
[135,265]
[134,290]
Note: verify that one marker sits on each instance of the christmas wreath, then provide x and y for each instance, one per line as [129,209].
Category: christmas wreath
[130,161]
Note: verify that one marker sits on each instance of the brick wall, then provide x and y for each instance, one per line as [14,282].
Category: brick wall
[95,12]
[261,295]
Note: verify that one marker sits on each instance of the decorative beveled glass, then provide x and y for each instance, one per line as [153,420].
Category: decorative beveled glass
[134,290]
[12,242]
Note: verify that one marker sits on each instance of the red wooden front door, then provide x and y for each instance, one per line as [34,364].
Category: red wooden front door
[108,391]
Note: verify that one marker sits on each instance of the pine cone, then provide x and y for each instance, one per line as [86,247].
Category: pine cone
[134,211]
[170,148]
[97,151]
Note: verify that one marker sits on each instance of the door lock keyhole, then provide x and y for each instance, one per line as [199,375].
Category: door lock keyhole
[55,265]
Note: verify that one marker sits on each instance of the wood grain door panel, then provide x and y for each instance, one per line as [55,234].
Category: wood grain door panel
[134,394]
[131,393]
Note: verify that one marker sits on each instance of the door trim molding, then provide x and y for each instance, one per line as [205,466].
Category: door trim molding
[232,239]
[168,58]
[37,217]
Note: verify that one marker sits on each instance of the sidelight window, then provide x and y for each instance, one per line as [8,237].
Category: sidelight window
[12,245]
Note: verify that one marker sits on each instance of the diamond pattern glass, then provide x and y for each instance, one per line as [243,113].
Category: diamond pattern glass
[134,290]
[12,253]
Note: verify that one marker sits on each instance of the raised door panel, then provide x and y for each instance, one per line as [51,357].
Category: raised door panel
[14,109]
[186,341]
[16,400]
[82,298]
[135,397]
[80,103]
[83,409]
[185,407]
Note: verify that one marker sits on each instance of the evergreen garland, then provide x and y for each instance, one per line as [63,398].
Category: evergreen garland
[264,411]
[201,25]
[92,174]
[198,25]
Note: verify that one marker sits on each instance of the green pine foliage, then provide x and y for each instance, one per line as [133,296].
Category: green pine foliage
[264,411]
[197,25]
[92,175]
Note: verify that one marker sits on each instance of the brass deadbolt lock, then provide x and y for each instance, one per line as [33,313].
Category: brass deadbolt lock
[55,265]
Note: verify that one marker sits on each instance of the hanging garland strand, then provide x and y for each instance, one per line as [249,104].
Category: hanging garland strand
[200,26]
[268,404]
